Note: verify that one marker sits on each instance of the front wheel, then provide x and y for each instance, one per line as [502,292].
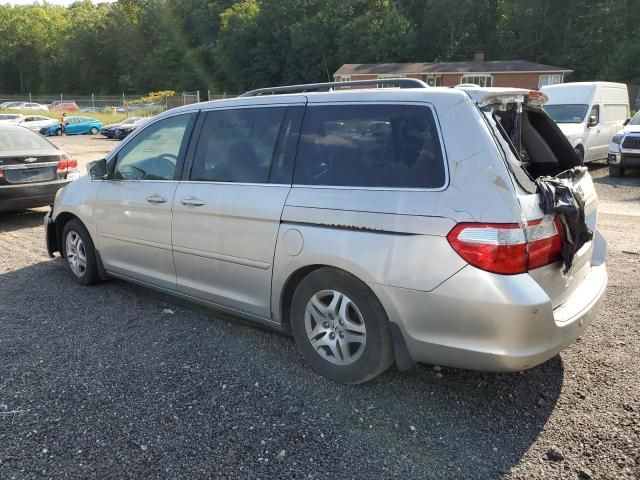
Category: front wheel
[94,131]
[59,132]
[80,253]
[340,327]
[580,154]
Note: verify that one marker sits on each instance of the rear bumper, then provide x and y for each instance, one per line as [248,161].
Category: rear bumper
[482,321]
[17,197]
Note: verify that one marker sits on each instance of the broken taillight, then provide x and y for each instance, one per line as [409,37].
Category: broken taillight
[68,168]
[508,248]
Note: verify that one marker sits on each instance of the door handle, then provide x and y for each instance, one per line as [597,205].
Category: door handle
[192,201]
[155,198]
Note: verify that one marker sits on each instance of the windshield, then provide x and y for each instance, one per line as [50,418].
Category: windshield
[635,120]
[22,139]
[567,113]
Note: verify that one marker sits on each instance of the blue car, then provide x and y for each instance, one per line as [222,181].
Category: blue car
[74,126]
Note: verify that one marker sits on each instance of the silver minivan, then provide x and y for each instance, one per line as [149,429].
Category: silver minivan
[376,225]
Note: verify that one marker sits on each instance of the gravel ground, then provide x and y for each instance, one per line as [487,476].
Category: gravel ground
[117,381]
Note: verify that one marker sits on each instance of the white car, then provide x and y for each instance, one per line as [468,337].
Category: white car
[36,122]
[624,151]
[29,106]
[589,114]
[6,105]
[10,117]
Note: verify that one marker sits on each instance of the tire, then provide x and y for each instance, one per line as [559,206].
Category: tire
[329,305]
[80,254]
[94,131]
[616,171]
[580,154]
[59,132]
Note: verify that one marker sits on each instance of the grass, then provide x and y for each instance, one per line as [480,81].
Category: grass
[105,117]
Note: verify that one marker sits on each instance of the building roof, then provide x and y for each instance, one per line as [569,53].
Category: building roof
[497,66]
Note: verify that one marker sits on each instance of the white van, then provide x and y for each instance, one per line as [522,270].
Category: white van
[589,114]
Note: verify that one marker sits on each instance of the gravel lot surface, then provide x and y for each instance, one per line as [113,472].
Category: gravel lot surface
[117,381]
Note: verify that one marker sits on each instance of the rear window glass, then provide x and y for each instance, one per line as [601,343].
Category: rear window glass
[387,146]
[22,139]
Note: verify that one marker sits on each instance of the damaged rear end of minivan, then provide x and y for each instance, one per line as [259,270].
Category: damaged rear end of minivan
[531,286]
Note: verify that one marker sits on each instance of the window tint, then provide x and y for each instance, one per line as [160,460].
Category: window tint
[239,145]
[153,154]
[17,138]
[393,146]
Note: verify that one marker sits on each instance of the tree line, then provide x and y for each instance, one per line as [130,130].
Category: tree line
[137,46]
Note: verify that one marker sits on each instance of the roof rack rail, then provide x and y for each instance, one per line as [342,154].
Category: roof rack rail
[328,86]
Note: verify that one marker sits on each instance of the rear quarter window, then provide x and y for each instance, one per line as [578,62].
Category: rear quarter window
[378,146]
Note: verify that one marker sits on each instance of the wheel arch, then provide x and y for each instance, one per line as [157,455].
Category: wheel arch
[61,220]
[401,354]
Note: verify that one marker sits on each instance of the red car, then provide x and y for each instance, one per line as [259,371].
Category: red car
[64,106]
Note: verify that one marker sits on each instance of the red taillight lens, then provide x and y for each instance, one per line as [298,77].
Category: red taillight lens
[545,243]
[67,164]
[507,248]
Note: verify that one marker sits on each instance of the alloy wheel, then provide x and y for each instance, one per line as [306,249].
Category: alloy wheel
[335,327]
[76,254]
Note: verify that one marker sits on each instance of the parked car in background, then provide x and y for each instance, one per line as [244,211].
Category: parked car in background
[109,131]
[624,151]
[6,105]
[589,114]
[74,126]
[64,106]
[36,122]
[123,131]
[374,224]
[29,106]
[11,117]
[32,169]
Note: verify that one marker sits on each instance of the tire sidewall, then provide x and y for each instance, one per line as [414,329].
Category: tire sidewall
[378,353]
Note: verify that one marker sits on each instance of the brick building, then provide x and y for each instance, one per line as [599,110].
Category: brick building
[500,73]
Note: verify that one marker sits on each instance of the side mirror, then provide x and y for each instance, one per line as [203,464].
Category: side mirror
[626,122]
[593,121]
[98,169]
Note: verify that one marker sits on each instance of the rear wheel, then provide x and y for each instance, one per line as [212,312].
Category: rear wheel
[80,253]
[340,327]
[59,132]
[94,131]
[616,170]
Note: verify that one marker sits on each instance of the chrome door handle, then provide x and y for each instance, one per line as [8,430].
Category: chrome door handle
[156,199]
[192,201]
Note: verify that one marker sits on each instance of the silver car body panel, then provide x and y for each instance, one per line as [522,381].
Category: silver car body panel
[238,249]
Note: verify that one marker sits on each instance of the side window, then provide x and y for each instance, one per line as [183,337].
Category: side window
[388,146]
[153,154]
[240,145]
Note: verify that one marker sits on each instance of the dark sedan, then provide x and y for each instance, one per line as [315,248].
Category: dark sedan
[110,130]
[123,131]
[32,169]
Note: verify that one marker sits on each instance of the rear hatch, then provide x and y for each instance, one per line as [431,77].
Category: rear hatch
[19,167]
[26,158]
[535,148]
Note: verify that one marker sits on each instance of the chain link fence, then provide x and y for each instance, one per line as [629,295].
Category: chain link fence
[112,103]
